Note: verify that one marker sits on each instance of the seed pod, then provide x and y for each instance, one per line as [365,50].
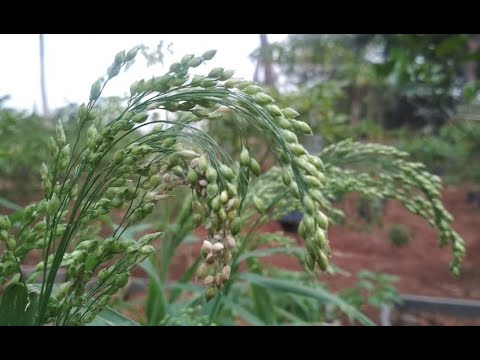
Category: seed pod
[197,220]
[319,237]
[309,223]
[122,280]
[286,178]
[274,110]
[176,67]
[232,214]
[290,113]
[222,214]
[210,259]
[217,247]
[197,207]
[215,204]
[224,196]
[317,162]
[5,222]
[262,98]
[321,220]
[284,123]
[309,204]
[226,273]
[211,174]
[185,60]
[322,261]
[96,90]
[216,73]
[195,62]
[131,54]
[209,280]
[147,249]
[252,89]
[230,241]
[226,172]
[208,55]
[207,246]
[119,156]
[192,176]
[232,190]
[245,157]
[53,205]
[193,163]
[297,149]
[212,190]
[312,181]
[210,293]
[259,204]
[289,136]
[244,84]
[294,189]
[208,83]
[11,244]
[178,171]
[218,280]
[202,164]
[235,225]
[227,74]
[154,180]
[52,146]
[301,127]
[120,58]
[202,271]
[226,256]
[60,133]
[309,261]
[231,204]
[254,167]
[188,154]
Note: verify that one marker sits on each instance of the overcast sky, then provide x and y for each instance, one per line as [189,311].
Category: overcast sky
[74,62]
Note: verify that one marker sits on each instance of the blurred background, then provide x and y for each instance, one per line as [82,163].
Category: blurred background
[418,92]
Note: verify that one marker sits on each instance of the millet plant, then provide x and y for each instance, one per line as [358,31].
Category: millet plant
[81,189]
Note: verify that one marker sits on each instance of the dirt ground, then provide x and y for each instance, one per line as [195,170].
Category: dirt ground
[421,265]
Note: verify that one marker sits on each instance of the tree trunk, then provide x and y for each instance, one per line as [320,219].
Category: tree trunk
[470,69]
[265,60]
[356,107]
[46,112]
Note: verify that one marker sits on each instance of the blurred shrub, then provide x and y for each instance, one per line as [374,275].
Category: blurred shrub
[23,146]
[453,152]
[399,235]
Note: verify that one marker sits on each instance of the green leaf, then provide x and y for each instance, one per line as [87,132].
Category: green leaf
[245,314]
[157,303]
[8,204]
[319,294]
[110,317]
[273,251]
[18,306]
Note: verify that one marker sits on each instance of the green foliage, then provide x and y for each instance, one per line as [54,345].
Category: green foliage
[453,152]
[109,317]
[23,138]
[373,288]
